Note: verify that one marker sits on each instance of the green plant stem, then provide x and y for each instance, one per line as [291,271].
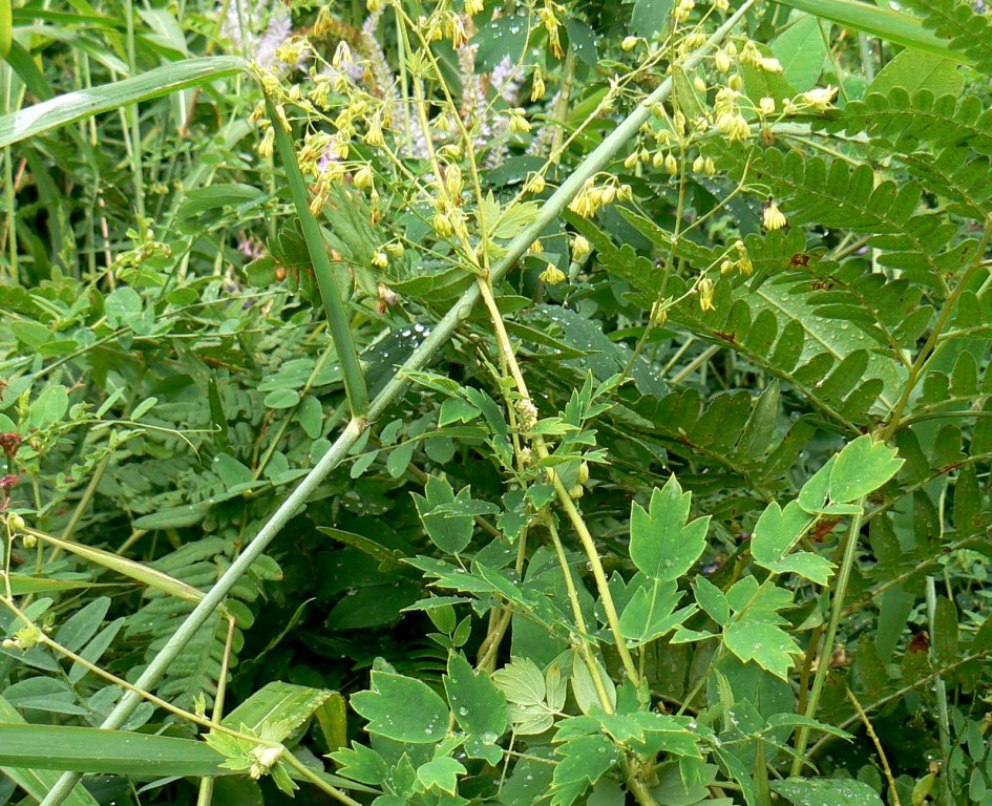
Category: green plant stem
[916,371]
[836,611]
[137,168]
[573,598]
[578,522]
[337,316]
[940,691]
[439,336]
[206,792]
[308,775]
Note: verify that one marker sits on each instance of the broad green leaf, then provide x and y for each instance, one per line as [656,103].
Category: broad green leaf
[38,782]
[648,17]
[173,517]
[82,625]
[50,406]
[448,531]
[584,761]
[776,531]
[651,611]
[915,70]
[231,471]
[663,543]
[277,709]
[441,773]
[93,750]
[801,50]
[479,707]
[361,763]
[711,599]
[753,639]
[897,27]
[827,792]
[805,564]
[456,410]
[584,689]
[201,200]
[521,682]
[403,709]
[94,650]
[73,106]
[861,468]
[311,416]
[282,399]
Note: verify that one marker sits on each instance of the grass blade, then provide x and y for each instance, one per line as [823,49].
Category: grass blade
[94,750]
[337,316]
[893,26]
[73,106]
[37,782]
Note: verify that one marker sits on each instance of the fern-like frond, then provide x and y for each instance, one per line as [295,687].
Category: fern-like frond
[962,182]
[835,364]
[197,668]
[901,123]
[831,193]
[890,311]
[965,29]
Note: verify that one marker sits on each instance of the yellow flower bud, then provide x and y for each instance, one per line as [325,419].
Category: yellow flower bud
[442,225]
[266,144]
[706,295]
[629,43]
[453,181]
[552,275]
[535,183]
[518,123]
[772,217]
[671,164]
[364,178]
[767,105]
[580,248]
[583,475]
[380,260]
[537,87]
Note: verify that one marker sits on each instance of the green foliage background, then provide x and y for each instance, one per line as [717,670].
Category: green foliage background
[692,508]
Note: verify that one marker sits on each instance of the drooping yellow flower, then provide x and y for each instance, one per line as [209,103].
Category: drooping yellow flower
[706,295]
[773,218]
[552,275]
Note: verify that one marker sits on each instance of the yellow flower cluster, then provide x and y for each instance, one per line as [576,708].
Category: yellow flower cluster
[591,198]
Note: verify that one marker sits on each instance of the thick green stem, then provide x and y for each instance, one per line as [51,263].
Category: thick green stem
[337,315]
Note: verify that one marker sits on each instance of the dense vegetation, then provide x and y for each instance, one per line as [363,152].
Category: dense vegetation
[495,402]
